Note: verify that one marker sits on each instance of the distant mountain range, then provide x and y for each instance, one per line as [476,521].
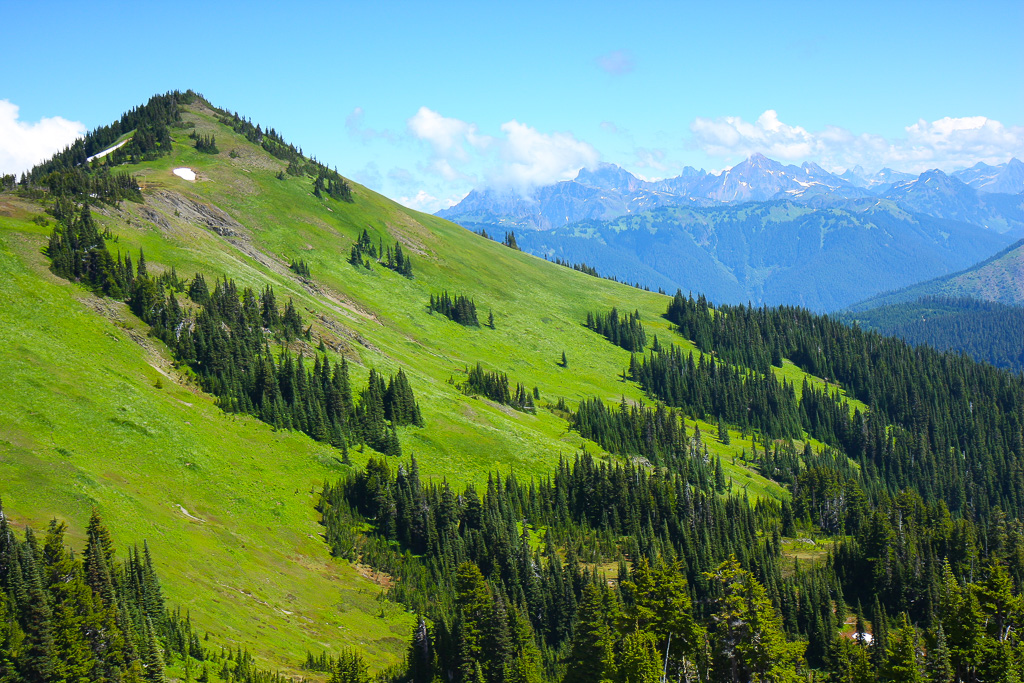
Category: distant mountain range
[764,231]
[983,194]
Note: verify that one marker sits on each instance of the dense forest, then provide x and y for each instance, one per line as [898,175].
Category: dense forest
[986,331]
[656,567]
[940,423]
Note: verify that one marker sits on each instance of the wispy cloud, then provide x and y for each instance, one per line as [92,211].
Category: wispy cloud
[616,62]
[369,175]
[531,158]
[357,129]
[947,143]
[23,145]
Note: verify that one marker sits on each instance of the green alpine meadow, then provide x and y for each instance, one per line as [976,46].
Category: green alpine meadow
[259,423]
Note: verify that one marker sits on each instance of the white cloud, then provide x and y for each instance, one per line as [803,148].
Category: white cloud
[421,202]
[947,143]
[448,137]
[23,145]
[532,158]
[732,135]
[616,62]
[522,158]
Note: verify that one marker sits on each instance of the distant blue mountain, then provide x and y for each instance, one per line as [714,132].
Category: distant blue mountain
[1006,178]
[762,230]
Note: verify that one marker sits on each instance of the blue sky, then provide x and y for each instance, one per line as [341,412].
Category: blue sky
[424,101]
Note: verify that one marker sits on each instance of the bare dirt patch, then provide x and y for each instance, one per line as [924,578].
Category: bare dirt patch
[380,578]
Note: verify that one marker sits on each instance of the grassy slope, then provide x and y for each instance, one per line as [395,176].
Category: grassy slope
[83,424]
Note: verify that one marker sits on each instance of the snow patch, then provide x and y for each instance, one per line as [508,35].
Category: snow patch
[186,173]
[106,151]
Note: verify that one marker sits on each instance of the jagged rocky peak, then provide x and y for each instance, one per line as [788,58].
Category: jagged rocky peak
[609,177]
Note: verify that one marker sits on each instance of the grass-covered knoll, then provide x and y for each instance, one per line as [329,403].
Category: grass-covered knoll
[96,416]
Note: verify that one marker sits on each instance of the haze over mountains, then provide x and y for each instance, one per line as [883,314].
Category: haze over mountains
[763,231]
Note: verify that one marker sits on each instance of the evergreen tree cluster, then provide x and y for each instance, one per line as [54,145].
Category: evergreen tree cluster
[103,185]
[658,435]
[460,308]
[227,346]
[90,617]
[391,258]
[495,385]
[626,332]
[329,182]
[78,618]
[706,387]
[8,181]
[396,260]
[206,144]
[510,241]
[363,250]
[300,268]
[944,594]
[582,267]
[677,535]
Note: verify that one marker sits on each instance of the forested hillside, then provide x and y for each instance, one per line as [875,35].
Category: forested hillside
[999,279]
[986,331]
[360,442]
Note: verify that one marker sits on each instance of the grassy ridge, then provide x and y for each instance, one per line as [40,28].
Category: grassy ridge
[225,502]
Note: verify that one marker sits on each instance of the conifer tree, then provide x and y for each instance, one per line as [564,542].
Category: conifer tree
[902,664]
[938,666]
[747,638]
[591,648]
